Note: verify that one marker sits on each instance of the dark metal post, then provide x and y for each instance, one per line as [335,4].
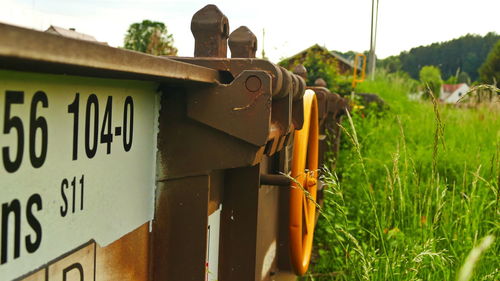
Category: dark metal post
[210,28]
[243,43]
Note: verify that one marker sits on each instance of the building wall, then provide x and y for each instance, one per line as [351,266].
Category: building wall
[458,94]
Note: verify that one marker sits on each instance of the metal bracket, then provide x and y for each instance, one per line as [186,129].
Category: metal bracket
[241,109]
[210,28]
[243,43]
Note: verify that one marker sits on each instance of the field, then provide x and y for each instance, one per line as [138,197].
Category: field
[415,193]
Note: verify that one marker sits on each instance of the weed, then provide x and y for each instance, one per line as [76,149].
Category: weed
[413,191]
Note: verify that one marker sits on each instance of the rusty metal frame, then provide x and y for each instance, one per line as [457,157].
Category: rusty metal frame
[29,50]
[226,125]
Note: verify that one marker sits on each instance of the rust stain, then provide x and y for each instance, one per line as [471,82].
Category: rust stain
[125,259]
[78,265]
[252,102]
[37,276]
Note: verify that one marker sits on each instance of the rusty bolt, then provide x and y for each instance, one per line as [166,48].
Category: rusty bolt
[253,83]
[243,43]
[301,71]
[311,182]
[301,90]
[210,28]
[320,82]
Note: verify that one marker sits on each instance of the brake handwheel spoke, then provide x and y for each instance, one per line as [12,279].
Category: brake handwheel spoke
[304,213]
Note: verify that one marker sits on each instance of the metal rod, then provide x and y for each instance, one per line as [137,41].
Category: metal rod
[270,179]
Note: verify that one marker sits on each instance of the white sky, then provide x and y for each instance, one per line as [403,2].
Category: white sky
[290,26]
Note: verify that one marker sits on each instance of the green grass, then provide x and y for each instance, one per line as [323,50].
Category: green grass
[415,190]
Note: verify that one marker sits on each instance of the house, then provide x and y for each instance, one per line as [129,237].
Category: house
[72,33]
[345,66]
[452,93]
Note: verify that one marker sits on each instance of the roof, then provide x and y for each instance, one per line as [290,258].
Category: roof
[71,33]
[448,91]
[334,54]
[342,59]
[450,88]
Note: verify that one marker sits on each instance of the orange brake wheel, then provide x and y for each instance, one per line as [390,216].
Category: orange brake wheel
[304,170]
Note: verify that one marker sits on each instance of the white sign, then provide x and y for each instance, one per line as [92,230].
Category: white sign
[77,163]
[213,235]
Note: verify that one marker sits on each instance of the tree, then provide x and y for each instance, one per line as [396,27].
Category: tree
[466,53]
[391,64]
[430,77]
[150,37]
[451,80]
[318,66]
[490,70]
[463,77]
[320,63]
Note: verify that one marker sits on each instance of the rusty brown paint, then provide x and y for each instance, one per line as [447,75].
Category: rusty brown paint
[253,83]
[284,263]
[182,139]
[297,114]
[275,179]
[80,263]
[301,71]
[216,190]
[231,109]
[37,276]
[180,229]
[242,43]
[238,240]
[126,259]
[215,140]
[235,66]
[320,82]
[267,233]
[30,50]
[210,28]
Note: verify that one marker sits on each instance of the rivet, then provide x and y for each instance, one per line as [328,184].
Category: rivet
[253,83]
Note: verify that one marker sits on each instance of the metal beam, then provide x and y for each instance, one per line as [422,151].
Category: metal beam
[30,50]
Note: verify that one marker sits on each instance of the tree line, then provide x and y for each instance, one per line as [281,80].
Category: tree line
[462,55]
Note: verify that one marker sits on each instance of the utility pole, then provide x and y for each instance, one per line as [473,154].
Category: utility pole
[263,36]
[372,58]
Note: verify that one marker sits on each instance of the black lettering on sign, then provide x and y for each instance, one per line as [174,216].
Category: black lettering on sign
[32,246]
[35,124]
[82,185]
[91,144]
[128,113]
[9,123]
[92,138]
[12,211]
[75,109]
[75,266]
[64,208]
[13,122]
[106,134]
[13,208]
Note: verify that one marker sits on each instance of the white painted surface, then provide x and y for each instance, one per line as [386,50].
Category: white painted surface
[213,235]
[118,187]
[268,259]
[458,94]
